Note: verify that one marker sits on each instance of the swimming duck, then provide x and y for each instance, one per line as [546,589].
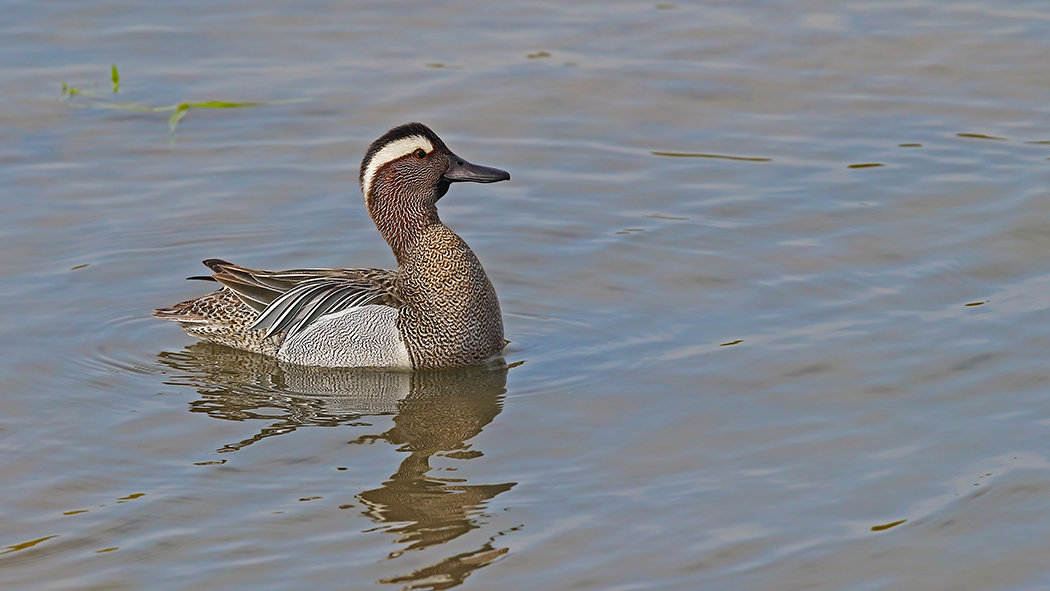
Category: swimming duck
[437,309]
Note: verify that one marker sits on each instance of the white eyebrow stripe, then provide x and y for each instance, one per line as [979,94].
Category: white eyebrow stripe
[393,151]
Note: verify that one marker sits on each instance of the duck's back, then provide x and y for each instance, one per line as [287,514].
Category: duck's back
[223,318]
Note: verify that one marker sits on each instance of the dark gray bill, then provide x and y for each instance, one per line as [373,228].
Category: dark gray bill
[459,170]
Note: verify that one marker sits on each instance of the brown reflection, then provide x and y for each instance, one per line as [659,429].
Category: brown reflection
[435,412]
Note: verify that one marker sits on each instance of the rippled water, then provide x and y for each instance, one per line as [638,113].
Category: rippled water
[743,355]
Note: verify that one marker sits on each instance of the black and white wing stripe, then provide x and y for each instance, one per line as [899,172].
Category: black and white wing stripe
[292,300]
[311,299]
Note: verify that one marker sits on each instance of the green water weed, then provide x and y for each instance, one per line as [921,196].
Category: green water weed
[178,111]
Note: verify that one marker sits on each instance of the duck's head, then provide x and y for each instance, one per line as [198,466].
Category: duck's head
[409,167]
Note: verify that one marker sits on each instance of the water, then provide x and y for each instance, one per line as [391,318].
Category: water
[781,372]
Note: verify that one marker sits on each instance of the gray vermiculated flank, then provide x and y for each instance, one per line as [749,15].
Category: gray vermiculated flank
[365,336]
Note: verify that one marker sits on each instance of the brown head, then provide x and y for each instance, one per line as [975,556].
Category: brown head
[403,175]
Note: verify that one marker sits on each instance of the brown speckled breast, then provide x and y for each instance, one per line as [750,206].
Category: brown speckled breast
[451,316]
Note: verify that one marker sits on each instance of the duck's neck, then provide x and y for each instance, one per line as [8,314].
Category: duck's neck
[401,227]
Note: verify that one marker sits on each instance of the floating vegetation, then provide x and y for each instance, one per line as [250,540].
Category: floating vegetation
[887,526]
[716,156]
[24,545]
[1039,142]
[866,165]
[71,91]
[909,145]
[976,304]
[660,216]
[731,343]
[981,136]
[178,112]
[538,55]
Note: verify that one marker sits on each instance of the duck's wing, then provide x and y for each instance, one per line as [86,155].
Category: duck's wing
[291,300]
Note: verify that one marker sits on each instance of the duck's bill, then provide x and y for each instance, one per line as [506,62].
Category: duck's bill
[462,171]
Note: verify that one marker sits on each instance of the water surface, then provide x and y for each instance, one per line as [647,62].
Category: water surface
[774,274]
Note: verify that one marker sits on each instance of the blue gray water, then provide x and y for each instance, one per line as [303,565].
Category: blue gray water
[775,371]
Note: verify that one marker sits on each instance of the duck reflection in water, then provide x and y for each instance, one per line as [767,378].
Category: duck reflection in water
[435,412]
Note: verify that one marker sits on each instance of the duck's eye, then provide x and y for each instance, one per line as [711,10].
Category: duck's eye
[421,153]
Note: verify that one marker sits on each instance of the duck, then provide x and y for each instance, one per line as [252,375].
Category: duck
[436,310]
